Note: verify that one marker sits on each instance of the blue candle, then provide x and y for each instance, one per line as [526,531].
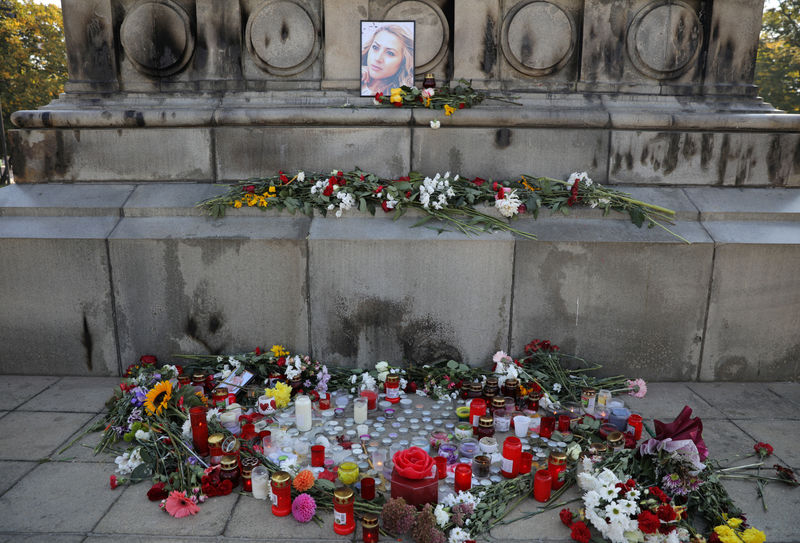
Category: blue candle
[619,418]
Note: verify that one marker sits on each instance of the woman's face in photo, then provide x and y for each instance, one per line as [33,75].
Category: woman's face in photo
[385,55]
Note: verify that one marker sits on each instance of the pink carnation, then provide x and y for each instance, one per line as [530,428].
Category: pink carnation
[304,508]
[179,505]
[499,356]
[638,387]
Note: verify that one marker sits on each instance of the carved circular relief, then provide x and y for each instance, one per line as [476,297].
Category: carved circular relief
[538,37]
[282,38]
[431,31]
[157,37]
[664,39]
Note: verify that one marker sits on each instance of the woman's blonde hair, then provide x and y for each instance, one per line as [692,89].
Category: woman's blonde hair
[405,74]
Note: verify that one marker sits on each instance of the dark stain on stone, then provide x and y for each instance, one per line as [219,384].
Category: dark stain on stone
[46,119]
[689,147]
[284,31]
[796,158]
[88,343]
[725,59]
[594,162]
[774,160]
[489,47]
[526,48]
[673,152]
[706,149]
[214,323]
[616,163]
[731,368]
[645,154]
[722,164]
[192,328]
[628,160]
[502,138]
[134,118]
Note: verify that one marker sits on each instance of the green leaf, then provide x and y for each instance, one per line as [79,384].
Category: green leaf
[637,217]
[422,221]
[452,364]
[324,484]
[463,367]
[362,205]
[141,473]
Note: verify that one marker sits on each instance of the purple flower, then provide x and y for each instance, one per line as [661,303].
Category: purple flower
[139,396]
[304,508]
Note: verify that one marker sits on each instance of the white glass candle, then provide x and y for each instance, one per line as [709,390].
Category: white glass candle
[260,480]
[360,410]
[302,412]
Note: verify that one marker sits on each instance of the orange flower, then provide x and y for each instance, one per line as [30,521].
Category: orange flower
[303,480]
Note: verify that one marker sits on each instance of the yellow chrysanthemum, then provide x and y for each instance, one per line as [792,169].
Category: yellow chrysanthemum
[726,534]
[734,522]
[272,190]
[752,535]
[278,350]
[449,110]
[158,397]
[282,392]
[237,204]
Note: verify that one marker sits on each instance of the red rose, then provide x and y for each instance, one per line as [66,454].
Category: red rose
[496,186]
[411,388]
[479,181]
[404,178]
[385,206]
[225,487]
[462,105]
[413,463]
[522,208]
[208,489]
[379,189]
[250,188]
[580,532]
[397,104]
[408,194]
[283,177]
[666,513]
[379,96]
[648,522]
[327,475]
[281,361]
[157,492]
[148,360]
[328,190]
[258,351]
[566,517]
[112,481]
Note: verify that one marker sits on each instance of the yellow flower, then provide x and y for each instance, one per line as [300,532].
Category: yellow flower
[278,351]
[397,92]
[251,200]
[272,190]
[726,534]
[734,522]
[262,202]
[427,101]
[449,110]
[237,204]
[751,535]
[282,392]
[158,397]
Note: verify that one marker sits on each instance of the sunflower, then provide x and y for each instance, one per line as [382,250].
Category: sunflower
[158,397]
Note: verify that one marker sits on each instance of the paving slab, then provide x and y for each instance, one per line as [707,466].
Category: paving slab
[730,204]
[731,399]
[75,394]
[67,497]
[82,450]
[31,435]
[55,199]
[252,518]
[133,513]
[542,527]
[726,440]
[664,402]
[789,392]
[17,389]
[170,199]
[781,434]
[12,471]
[41,538]
[783,502]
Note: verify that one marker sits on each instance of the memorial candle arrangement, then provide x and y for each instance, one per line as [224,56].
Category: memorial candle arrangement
[197,417]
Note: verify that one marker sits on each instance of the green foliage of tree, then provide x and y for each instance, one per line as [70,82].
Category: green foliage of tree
[33,59]
[778,63]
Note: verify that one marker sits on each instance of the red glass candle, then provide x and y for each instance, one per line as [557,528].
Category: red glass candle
[197,417]
[220,396]
[563,423]
[317,456]
[512,450]
[392,387]
[372,398]
[215,448]
[367,488]
[441,466]
[541,485]
[463,477]
[282,494]
[229,469]
[344,522]
[557,466]
[635,426]
[477,409]
[547,426]
[370,531]
[525,462]
[324,401]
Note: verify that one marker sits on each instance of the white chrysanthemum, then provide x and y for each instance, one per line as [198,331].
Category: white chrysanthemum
[353,379]
[141,435]
[301,176]
[607,477]
[608,492]
[442,516]
[382,366]
[368,382]
[591,499]
[509,204]
[629,507]
[458,535]
[436,124]
[633,494]
[212,414]
[461,497]
[186,429]
[556,387]
[129,461]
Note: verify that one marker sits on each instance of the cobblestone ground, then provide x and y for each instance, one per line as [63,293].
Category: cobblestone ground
[47,495]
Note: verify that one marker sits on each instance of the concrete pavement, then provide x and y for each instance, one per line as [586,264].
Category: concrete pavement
[66,498]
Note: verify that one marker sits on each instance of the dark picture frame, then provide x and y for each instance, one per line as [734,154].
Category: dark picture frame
[387,55]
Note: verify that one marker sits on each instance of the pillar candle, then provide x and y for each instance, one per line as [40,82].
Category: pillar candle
[302,411]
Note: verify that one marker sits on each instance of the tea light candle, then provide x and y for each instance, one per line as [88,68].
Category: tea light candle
[386,441]
[384,404]
[362,429]
[401,419]
[389,412]
[338,412]
[406,402]
[413,420]
[396,424]
[380,420]
[408,411]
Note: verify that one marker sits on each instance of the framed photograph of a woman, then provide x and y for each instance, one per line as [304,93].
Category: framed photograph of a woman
[387,56]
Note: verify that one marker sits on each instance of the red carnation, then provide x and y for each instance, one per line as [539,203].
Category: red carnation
[666,528]
[250,188]
[658,493]
[648,522]
[385,206]
[763,449]
[580,532]
[404,178]
[397,104]
[479,181]
[666,513]
[258,351]
[225,487]
[522,208]
[462,105]
[284,179]
[379,96]
[112,481]
[411,388]
[379,189]
[148,360]
[566,516]
[157,492]
[281,361]
[714,538]
[408,194]
[327,475]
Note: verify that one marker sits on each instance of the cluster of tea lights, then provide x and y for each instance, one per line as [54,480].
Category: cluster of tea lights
[482,441]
